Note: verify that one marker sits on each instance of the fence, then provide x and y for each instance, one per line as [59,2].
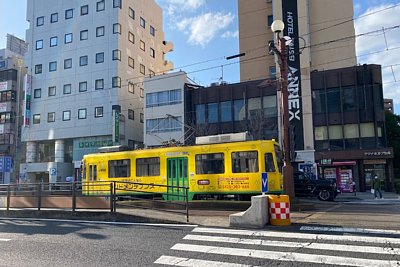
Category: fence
[96,195]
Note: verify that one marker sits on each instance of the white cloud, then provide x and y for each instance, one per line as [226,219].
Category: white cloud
[202,29]
[183,5]
[381,41]
[229,34]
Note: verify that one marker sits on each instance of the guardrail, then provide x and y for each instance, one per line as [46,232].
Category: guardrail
[97,195]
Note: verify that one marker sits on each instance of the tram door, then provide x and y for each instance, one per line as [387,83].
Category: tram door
[177,175]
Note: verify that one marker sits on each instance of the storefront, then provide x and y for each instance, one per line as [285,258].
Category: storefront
[353,170]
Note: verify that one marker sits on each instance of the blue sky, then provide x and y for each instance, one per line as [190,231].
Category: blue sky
[206,31]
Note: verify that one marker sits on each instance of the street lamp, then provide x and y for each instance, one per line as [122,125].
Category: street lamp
[277,27]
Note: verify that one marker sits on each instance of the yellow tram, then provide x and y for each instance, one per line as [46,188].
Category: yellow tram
[215,170]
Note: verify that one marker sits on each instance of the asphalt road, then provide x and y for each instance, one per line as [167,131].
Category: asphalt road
[53,243]
[68,243]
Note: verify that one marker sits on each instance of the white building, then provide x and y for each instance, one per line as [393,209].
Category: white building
[87,60]
[164,110]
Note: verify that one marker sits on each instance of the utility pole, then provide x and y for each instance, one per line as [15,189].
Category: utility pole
[288,182]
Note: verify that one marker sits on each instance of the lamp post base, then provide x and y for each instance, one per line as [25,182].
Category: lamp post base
[288,181]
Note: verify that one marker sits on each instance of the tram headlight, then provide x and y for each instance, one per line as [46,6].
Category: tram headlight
[203,182]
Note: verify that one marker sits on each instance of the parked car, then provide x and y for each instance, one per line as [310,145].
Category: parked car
[324,189]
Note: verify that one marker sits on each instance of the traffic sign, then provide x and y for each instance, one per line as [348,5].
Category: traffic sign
[264,182]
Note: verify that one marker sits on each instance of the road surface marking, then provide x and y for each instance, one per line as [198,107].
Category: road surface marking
[99,222]
[177,261]
[285,256]
[307,245]
[350,230]
[350,238]
[4,239]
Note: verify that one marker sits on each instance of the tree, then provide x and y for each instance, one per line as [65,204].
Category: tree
[393,137]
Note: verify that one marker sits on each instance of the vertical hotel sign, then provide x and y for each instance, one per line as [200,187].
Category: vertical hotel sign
[290,18]
[116,113]
[28,97]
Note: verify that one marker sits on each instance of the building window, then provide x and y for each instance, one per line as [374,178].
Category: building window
[54,17]
[162,125]
[117,3]
[116,54]
[141,117]
[333,97]
[68,63]
[52,91]
[68,38]
[200,114]
[98,112]
[226,111]
[99,84]
[82,113]
[131,114]
[82,86]
[37,93]
[142,45]
[51,117]
[84,35]
[131,88]
[38,68]
[239,110]
[117,28]
[39,44]
[69,14]
[84,10]
[66,115]
[151,73]
[270,20]
[142,69]
[131,62]
[83,60]
[100,57]
[131,37]
[100,31]
[142,22]
[141,92]
[152,30]
[67,89]
[270,106]
[152,53]
[116,82]
[53,66]
[39,21]
[36,118]
[318,101]
[100,6]
[131,13]
[212,112]
[53,41]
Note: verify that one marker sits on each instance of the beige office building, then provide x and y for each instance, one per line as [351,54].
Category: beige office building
[318,42]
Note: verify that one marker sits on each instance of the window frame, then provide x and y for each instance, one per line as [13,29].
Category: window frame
[100,6]
[52,63]
[208,163]
[152,31]
[37,93]
[131,62]
[37,43]
[142,69]
[66,36]
[117,4]
[116,54]
[142,45]
[81,84]
[131,37]
[102,28]
[39,21]
[82,36]
[81,62]
[65,117]
[145,167]
[66,61]
[142,22]
[242,156]
[83,115]
[99,60]
[83,11]
[69,13]
[52,91]
[38,68]
[52,20]
[119,168]
[117,28]
[152,52]
[131,13]
[102,84]
[36,119]
[131,114]
[65,91]
[51,117]
[131,87]
[52,39]
[116,82]
[97,113]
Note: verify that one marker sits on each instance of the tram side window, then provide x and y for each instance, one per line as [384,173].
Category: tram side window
[92,172]
[269,162]
[244,161]
[119,168]
[210,163]
[148,167]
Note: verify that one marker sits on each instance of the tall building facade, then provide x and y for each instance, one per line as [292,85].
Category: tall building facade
[322,38]
[86,64]
[12,72]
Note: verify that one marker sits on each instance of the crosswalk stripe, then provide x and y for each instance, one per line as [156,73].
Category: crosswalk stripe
[350,238]
[272,243]
[285,256]
[178,261]
[4,239]
[350,230]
